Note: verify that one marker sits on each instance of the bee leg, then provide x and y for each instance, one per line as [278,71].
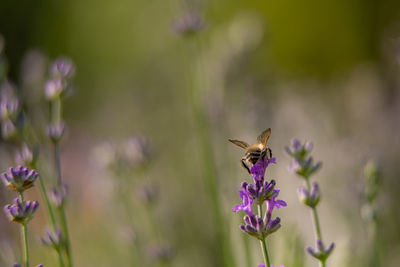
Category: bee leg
[244,165]
[270,152]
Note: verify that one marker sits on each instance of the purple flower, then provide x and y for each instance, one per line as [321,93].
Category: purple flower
[53,239]
[188,24]
[62,67]
[8,129]
[25,156]
[246,202]
[56,131]
[302,163]
[57,196]
[147,194]
[320,252]
[21,212]
[160,252]
[9,107]
[53,89]
[259,192]
[273,202]
[19,178]
[257,171]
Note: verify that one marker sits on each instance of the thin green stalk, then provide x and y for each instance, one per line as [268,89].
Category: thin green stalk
[262,241]
[24,235]
[210,173]
[314,213]
[60,258]
[64,225]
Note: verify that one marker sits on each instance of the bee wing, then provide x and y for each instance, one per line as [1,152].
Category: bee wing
[264,136]
[242,144]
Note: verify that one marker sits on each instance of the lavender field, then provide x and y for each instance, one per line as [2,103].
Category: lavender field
[199,133]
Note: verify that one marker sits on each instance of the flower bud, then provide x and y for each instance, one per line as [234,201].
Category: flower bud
[62,68]
[304,196]
[56,131]
[21,211]
[8,129]
[19,178]
[57,196]
[53,239]
[53,89]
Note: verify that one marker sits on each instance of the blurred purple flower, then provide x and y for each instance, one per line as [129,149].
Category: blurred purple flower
[160,252]
[57,196]
[188,24]
[8,129]
[21,212]
[19,178]
[53,239]
[320,252]
[56,131]
[25,156]
[302,163]
[62,67]
[9,107]
[147,194]
[53,89]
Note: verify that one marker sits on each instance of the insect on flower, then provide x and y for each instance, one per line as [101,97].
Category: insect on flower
[256,151]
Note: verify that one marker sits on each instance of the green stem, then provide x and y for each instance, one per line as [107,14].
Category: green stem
[49,210]
[24,235]
[314,213]
[262,240]
[64,225]
[210,173]
[60,258]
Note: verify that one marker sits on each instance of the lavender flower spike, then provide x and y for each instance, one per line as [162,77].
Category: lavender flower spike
[53,89]
[57,196]
[62,67]
[53,239]
[21,212]
[56,131]
[19,178]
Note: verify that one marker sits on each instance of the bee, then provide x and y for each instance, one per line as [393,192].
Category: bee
[256,151]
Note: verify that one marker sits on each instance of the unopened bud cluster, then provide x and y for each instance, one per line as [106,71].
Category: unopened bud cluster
[311,198]
[20,179]
[302,163]
[320,252]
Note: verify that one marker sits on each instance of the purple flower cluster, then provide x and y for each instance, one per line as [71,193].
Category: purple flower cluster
[61,71]
[21,211]
[19,178]
[302,163]
[57,196]
[259,193]
[53,239]
[321,253]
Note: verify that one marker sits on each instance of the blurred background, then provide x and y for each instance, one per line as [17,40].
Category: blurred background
[180,78]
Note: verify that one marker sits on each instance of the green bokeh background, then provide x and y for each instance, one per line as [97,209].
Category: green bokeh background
[322,71]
